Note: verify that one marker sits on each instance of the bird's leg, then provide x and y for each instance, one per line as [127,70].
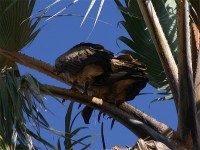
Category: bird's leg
[86,85]
[74,85]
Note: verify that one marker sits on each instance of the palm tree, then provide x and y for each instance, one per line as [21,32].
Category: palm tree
[17,107]
[173,65]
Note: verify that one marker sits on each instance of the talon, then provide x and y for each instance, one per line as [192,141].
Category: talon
[74,85]
[74,89]
[85,92]
[86,88]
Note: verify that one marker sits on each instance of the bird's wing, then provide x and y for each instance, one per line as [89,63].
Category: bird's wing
[128,63]
[124,67]
[83,54]
[134,89]
[124,83]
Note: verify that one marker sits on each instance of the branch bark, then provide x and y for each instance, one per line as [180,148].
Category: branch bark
[152,122]
[138,123]
[33,63]
[187,115]
[161,45]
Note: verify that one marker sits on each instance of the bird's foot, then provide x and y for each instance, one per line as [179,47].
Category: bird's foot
[86,88]
[74,85]
[74,89]
[85,92]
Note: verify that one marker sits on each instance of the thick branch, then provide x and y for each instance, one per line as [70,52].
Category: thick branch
[152,122]
[138,123]
[161,45]
[187,110]
[32,63]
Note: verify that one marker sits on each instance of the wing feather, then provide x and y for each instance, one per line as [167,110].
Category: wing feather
[81,55]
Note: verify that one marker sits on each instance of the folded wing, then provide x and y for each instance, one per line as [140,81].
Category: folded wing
[99,73]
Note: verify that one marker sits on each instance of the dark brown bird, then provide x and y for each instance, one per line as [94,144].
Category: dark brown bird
[84,64]
[115,79]
[124,83]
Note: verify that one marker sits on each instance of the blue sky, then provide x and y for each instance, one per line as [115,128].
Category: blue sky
[60,34]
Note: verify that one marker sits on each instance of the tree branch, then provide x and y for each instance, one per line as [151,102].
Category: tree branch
[161,45]
[187,115]
[152,122]
[33,63]
[138,123]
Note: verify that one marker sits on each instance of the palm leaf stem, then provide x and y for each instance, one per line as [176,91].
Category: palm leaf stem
[161,45]
[187,115]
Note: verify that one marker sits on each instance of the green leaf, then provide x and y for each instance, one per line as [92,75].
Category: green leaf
[16,27]
[68,117]
[77,130]
[37,137]
[34,89]
[88,145]
[14,107]
[168,97]
[3,145]
[69,134]
[58,144]
[72,123]
[67,126]
[142,47]
[88,11]
[81,139]
[15,33]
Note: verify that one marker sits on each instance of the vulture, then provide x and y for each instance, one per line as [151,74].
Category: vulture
[84,64]
[97,72]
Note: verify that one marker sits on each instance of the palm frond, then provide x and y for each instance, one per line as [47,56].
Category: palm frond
[92,3]
[16,27]
[142,47]
[3,145]
[70,133]
[168,97]
[19,104]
